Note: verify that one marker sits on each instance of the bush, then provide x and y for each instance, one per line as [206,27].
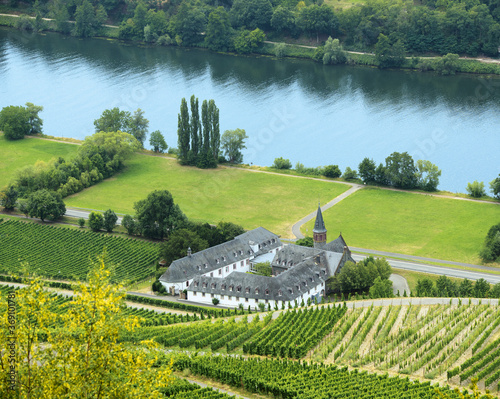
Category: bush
[164,40]
[81,222]
[476,189]
[332,171]
[350,174]
[96,221]
[215,301]
[282,163]
[279,51]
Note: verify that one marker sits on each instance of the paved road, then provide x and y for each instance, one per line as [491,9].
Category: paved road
[82,213]
[438,270]
[399,285]
[296,227]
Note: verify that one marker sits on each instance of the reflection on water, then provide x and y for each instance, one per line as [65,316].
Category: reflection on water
[301,110]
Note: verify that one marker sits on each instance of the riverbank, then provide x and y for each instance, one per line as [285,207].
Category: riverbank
[479,66]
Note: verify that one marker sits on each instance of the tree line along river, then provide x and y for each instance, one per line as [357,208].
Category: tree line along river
[297,109]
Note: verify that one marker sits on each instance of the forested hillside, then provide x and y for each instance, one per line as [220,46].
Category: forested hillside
[431,26]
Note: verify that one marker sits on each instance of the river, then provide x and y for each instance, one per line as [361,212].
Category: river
[297,109]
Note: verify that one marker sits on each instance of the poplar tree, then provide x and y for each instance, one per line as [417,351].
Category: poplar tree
[215,138]
[195,128]
[183,132]
[206,126]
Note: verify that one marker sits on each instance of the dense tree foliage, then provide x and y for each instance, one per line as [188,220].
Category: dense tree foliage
[282,163]
[491,248]
[178,243]
[8,198]
[476,189]
[495,187]
[445,287]
[158,216]
[157,141]
[263,269]
[18,121]
[110,220]
[44,204]
[96,220]
[359,277]
[232,142]
[114,120]
[82,357]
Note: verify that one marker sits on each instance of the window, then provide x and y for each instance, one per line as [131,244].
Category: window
[213,285]
[227,268]
[247,290]
[256,291]
[222,297]
[194,293]
[280,293]
[310,278]
[205,265]
[203,294]
[246,299]
[217,260]
[234,253]
[234,266]
[242,263]
[220,272]
[241,252]
[223,287]
[187,283]
[230,288]
[230,297]
[223,258]
[238,289]
[298,287]
[211,295]
[204,285]
[196,283]
[198,267]
[267,292]
[211,274]
[267,300]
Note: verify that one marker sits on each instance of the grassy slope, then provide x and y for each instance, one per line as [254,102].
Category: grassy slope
[412,224]
[16,154]
[251,199]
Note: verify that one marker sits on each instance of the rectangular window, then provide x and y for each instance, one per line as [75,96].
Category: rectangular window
[211,295]
[234,266]
[211,274]
[220,272]
[230,297]
[227,268]
[194,293]
[241,263]
[267,300]
[202,294]
[246,299]
[222,297]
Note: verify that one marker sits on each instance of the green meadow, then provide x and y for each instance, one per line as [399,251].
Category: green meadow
[248,198]
[412,224]
[17,154]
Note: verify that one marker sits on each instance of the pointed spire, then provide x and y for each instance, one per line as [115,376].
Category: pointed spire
[319,225]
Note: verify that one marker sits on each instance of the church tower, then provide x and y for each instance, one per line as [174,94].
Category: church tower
[319,231]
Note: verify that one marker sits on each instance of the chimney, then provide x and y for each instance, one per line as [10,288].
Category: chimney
[189,251]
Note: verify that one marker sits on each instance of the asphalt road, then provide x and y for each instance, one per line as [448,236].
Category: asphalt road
[75,213]
[445,271]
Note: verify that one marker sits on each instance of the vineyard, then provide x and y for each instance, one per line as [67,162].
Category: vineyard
[291,379]
[64,253]
[182,389]
[425,341]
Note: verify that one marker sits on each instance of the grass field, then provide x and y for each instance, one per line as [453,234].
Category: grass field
[248,198]
[17,154]
[412,224]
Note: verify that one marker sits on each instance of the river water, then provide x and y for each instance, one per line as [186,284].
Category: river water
[307,112]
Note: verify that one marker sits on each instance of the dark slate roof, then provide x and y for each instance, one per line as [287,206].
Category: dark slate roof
[336,245]
[285,287]
[319,225]
[293,255]
[227,253]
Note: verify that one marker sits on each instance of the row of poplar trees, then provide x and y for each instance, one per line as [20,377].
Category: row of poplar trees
[199,141]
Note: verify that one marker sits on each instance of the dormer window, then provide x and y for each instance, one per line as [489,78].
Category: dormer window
[256,291]
[196,283]
[198,267]
[223,287]
[218,260]
[310,278]
[205,265]
[214,285]
[230,288]
[223,258]
[283,263]
[273,240]
[317,275]
[267,292]
[204,285]
[247,290]
[304,283]
[290,290]
[241,252]
[280,293]
[238,288]
[298,287]
[324,271]
[235,254]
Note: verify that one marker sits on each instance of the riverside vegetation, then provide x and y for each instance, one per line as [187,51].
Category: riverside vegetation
[457,28]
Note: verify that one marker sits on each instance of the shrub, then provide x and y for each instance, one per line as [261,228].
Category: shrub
[81,222]
[215,301]
[279,51]
[350,174]
[476,189]
[332,171]
[96,221]
[282,163]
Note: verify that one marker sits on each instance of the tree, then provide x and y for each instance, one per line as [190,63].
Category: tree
[476,189]
[137,126]
[316,19]
[246,41]
[481,288]
[112,120]
[130,224]
[157,215]
[232,142]
[491,248]
[427,175]
[195,129]
[350,174]
[229,231]
[8,198]
[218,35]
[466,289]
[445,287]
[116,145]
[495,291]
[282,163]
[366,170]
[82,357]
[282,19]
[96,221]
[34,120]
[110,219]
[381,289]
[332,171]
[425,287]
[183,133]
[157,141]
[305,242]
[44,204]
[189,23]
[333,52]
[263,269]
[81,222]
[178,243]
[388,55]
[14,122]
[381,175]
[495,187]
[215,301]
[215,130]
[88,20]
[448,64]
[400,170]
[251,14]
